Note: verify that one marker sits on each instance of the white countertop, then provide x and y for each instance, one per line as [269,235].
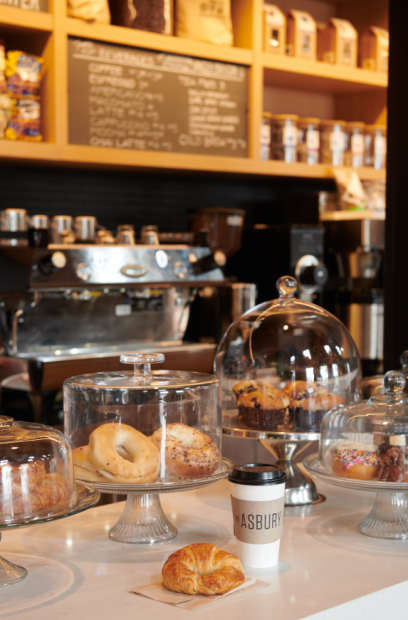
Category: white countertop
[327,570]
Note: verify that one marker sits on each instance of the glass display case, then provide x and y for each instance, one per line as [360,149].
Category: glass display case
[283,365]
[363,446]
[37,482]
[142,433]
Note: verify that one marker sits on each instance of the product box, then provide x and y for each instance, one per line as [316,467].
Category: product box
[274,28]
[301,35]
[337,43]
[374,46]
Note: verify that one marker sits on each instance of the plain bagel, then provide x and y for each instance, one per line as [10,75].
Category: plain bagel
[189,453]
[142,464]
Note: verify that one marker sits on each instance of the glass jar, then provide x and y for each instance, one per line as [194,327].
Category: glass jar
[284,364]
[266,135]
[143,426]
[284,137]
[36,472]
[333,142]
[368,440]
[376,146]
[354,155]
[309,140]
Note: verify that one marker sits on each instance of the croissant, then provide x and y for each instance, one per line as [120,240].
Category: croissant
[202,569]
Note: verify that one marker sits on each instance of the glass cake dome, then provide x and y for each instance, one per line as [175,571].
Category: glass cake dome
[368,440]
[284,364]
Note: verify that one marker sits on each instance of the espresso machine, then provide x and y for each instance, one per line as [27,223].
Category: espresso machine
[72,300]
[354,292]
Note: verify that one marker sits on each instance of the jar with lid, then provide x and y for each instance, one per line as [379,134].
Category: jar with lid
[284,137]
[309,140]
[36,473]
[284,364]
[266,136]
[376,146]
[333,142]
[354,155]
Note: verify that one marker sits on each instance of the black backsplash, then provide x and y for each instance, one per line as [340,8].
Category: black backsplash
[140,198]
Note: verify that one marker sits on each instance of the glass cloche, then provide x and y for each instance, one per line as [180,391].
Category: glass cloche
[368,440]
[36,472]
[142,426]
[284,364]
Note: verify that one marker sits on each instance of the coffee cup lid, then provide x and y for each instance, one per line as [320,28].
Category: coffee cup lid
[257,474]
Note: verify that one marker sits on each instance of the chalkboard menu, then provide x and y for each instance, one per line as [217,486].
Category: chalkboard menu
[128,98]
[27,5]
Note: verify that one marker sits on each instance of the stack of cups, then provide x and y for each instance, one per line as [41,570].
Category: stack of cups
[258,499]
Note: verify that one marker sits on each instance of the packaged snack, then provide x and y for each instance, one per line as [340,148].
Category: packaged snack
[25,121]
[205,21]
[89,10]
[23,73]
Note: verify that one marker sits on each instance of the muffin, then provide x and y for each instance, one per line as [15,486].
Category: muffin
[309,402]
[245,386]
[263,408]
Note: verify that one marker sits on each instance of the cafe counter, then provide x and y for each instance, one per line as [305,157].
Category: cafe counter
[327,570]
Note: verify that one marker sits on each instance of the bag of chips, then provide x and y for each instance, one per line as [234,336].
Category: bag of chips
[205,20]
[23,73]
[89,10]
[25,121]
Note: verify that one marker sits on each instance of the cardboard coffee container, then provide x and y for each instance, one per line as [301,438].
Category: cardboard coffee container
[258,499]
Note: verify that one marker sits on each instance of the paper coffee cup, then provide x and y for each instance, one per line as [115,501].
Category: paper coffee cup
[258,500]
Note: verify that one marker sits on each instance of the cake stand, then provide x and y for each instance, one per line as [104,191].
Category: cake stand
[86,498]
[389,515]
[284,446]
[143,519]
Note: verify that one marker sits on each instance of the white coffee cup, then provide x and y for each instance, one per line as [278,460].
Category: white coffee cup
[258,498]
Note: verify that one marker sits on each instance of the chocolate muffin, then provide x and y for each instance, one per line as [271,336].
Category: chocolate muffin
[263,408]
[309,402]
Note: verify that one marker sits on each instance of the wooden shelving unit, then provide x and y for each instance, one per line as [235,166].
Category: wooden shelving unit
[343,216]
[278,82]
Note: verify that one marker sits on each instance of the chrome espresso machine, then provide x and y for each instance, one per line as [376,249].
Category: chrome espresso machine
[71,300]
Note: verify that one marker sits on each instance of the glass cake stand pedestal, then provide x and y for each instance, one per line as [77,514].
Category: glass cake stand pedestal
[389,515]
[300,489]
[143,519]
[86,498]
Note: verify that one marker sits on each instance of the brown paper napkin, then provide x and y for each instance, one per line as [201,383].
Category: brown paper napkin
[157,592]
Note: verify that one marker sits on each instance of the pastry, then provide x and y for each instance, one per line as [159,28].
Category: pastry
[356,460]
[52,492]
[142,464]
[189,453]
[392,458]
[202,569]
[309,402]
[245,386]
[264,407]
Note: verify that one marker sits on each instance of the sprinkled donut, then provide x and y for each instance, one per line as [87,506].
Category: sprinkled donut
[189,453]
[358,461]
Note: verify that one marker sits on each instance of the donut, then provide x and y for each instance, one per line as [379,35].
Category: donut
[142,464]
[355,460]
[189,453]
[202,569]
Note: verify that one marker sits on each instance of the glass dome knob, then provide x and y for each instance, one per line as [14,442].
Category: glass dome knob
[394,382]
[404,360]
[142,362]
[287,286]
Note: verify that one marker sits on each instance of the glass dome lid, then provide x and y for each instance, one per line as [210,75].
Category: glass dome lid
[368,440]
[285,363]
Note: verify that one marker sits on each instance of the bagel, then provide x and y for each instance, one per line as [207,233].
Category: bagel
[142,463]
[189,453]
[202,569]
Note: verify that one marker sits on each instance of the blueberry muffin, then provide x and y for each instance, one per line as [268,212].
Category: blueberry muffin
[263,408]
[309,402]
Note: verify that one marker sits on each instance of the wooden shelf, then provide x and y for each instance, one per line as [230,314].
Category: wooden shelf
[319,76]
[149,40]
[341,216]
[29,151]
[24,21]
